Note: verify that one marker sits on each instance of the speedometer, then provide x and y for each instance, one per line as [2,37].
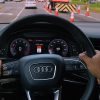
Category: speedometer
[58,46]
[19,47]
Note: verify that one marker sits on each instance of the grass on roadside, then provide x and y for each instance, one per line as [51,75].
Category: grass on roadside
[95,7]
[79,2]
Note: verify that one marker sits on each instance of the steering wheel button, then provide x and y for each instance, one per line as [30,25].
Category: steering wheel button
[4,67]
[82,66]
[69,67]
[7,73]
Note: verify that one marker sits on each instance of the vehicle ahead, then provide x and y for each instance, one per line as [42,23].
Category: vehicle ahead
[30,4]
[2,1]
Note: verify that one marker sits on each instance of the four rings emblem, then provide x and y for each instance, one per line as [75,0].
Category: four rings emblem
[42,69]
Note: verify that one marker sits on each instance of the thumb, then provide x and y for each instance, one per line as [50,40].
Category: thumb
[85,58]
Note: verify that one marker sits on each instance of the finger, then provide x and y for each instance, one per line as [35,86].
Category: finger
[85,58]
[0,63]
[97,51]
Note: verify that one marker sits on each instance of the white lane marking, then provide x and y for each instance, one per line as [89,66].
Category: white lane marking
[47,11]
[18,15]
[94,18]
[90,17]
[6,14]
[82,14]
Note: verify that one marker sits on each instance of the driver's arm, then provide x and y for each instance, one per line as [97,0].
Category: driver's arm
[93,64]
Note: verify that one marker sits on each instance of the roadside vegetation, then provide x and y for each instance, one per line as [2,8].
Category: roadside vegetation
[94,7]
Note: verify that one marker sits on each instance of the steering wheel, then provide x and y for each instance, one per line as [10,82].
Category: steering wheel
[44,72]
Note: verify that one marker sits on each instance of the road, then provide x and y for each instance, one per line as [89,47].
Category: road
[11,11]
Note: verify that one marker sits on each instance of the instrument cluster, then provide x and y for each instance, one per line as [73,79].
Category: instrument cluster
[19,47]
[22,47]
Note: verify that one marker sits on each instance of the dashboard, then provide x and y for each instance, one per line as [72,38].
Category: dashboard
[30,43]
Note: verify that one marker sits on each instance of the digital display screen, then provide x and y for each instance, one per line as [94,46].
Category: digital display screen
[39,46]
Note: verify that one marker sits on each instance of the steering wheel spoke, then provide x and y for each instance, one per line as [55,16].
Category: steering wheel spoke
[28,95]
[56,95]
[74,64]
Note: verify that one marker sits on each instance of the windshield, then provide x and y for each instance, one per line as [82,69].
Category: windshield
[73,10]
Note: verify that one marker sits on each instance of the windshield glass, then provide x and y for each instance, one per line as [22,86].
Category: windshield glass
[72,10]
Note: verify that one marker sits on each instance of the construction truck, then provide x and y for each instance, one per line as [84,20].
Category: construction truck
[63,6]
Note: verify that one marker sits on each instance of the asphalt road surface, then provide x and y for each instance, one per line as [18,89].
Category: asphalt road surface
[12,11]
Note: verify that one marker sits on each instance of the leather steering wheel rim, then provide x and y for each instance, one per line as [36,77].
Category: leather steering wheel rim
[75,32]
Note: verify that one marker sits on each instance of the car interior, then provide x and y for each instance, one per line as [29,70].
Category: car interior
[40,59]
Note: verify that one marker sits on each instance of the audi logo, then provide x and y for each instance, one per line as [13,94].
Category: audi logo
[42,69]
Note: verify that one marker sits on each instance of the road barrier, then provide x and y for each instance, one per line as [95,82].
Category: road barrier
[66,7]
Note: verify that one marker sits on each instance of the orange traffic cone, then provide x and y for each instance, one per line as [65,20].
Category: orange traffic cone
[46,6]
[79,9]
[87,12]
[72,17]
[50,9]
[56,12]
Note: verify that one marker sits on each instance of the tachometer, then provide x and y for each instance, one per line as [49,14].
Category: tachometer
[58,46]
[19,47]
